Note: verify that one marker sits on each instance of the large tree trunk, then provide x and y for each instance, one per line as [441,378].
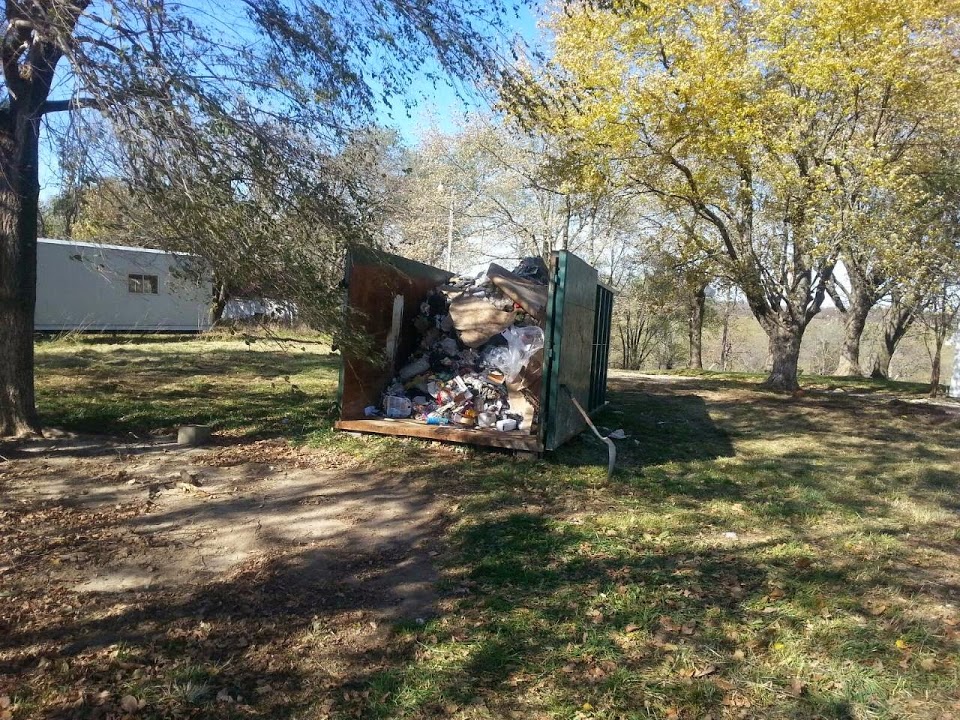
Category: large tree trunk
[698,302]
[784,345]
[898,320]
[881,362]
[28,73]
[855,320]
[19,200]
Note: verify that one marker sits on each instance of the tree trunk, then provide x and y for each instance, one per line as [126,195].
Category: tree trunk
[935,365]
[785,354]
[19,200]
[898,321]
[855,320]
[28,75]
[726,347]
[881,363]
[221,297]
[697,305]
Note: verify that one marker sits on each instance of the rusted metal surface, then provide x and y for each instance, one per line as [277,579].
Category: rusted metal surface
[373,282]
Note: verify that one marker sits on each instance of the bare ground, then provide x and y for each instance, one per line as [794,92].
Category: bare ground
[245,554]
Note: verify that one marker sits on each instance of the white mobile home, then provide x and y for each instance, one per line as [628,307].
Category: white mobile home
[88,286]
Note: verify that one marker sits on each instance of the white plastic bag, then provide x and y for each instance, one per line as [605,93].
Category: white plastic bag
[522,343]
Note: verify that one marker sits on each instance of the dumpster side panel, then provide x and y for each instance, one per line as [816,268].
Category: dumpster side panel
[570,322]
[601,348]
[374,281]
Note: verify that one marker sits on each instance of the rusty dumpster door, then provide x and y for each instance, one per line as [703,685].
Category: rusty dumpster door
[569,351]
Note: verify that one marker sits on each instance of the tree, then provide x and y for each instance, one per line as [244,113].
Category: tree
[755,117]
[904,306]
[276,88]
[940,319]
[641,325]
[891,231]
[681,250]
[942,308]
[656,307]
[511,195]
[727,308]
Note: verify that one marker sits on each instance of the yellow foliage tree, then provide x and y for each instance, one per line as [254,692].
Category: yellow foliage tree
[770,121]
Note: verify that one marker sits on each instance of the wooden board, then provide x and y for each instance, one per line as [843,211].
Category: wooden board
[445,433]
[570,341]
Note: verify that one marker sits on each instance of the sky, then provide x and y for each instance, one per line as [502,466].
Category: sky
[440,105]
[435,105]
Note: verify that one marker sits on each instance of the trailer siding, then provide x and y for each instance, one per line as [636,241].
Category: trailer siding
[90,287]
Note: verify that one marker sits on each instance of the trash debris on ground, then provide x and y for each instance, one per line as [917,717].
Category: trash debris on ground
[478,361]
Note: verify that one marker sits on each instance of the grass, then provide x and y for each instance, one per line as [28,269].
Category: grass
[151,384]
[755,555]
[833,383]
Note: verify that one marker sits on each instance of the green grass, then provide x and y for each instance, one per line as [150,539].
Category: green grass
[629,600]
[151,384]
[755,555]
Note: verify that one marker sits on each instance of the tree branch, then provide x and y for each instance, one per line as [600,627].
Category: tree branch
[52,106]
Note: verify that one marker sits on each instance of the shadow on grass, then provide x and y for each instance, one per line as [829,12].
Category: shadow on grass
[715,380]
[631,604]
[565,595]
[74,339]
[183,643]
[624,625]
[661,428]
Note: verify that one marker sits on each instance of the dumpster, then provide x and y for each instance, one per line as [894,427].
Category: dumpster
[386,291]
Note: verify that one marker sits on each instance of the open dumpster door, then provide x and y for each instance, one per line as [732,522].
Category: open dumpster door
[575,362]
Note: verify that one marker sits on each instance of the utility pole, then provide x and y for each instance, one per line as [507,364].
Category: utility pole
[450,237]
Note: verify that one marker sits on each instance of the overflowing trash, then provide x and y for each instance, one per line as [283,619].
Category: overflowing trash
[478,361]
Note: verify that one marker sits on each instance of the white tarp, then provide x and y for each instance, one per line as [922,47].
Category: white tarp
[248,308]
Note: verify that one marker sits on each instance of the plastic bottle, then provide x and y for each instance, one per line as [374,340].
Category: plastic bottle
[397,407]
[437,420]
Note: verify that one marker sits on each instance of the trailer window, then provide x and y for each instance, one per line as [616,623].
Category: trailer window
[143,284]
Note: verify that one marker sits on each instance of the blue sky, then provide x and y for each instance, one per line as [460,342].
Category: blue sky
[440,104]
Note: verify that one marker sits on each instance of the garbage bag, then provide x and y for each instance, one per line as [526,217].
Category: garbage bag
[522,343]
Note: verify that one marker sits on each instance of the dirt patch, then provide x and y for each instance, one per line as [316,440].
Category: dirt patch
[178,518]
[106,545]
